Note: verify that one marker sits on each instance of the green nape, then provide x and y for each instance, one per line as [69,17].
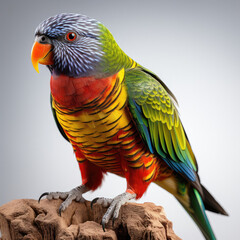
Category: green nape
[114,58]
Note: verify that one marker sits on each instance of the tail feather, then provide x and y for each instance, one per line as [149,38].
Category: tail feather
[194,203]
[196,210]
[211,204]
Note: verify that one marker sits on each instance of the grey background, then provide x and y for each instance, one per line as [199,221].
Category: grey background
[192,45]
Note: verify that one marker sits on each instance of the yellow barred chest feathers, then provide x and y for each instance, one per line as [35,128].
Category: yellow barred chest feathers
[106,135]
[102,129]
[96,124]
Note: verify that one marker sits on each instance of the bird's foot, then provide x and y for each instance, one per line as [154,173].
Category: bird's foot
[68,197]
[114,206]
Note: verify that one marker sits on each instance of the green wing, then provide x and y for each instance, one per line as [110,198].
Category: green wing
[152,106]
[56,120]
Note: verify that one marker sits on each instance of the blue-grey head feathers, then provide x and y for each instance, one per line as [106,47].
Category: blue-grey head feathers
[80,57]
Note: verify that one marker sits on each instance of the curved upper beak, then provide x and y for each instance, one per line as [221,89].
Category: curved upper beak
[41,53]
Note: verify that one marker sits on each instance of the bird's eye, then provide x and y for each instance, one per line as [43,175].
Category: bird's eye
[71,36]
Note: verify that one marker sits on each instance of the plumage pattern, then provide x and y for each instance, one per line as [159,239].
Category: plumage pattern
[70,58]
[102,132]
[159,123]
[118,116]
[55,26]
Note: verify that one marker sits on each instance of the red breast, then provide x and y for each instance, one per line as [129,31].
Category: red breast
[76,92]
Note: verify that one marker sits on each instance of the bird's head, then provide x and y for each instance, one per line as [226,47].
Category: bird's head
[77,46]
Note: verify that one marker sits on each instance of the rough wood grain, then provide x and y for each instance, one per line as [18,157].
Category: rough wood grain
[27,219]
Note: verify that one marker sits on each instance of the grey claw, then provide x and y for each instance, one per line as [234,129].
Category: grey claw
[44,194]
[103,225]
[114,208]
[94,201]
[113,220]
[60,210]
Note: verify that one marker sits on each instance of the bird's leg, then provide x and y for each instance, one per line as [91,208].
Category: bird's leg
[68,197]
[114,205]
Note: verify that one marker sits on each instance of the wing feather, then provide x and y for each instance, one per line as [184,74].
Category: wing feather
[157,119]
[56,120]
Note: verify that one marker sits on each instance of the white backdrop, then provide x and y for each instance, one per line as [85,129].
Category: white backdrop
[194,46]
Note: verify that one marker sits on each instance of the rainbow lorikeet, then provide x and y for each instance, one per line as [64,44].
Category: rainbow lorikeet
[119,117]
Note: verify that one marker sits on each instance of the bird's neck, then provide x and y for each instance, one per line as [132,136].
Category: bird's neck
[73,93]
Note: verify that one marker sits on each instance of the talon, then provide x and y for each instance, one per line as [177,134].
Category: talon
[103,225]
[60,210]
[44,194]
[94,201]
[115,205]
[113,220]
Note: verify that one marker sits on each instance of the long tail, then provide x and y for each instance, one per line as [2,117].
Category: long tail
[193,203]
[196,210]
[211,204]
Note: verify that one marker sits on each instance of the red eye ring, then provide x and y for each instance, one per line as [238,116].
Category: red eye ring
[71,36]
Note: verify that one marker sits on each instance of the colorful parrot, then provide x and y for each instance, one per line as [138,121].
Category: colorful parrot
[119,117]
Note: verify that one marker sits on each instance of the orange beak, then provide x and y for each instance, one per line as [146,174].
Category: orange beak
[41,53]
